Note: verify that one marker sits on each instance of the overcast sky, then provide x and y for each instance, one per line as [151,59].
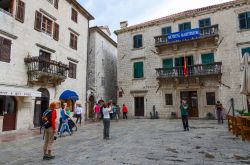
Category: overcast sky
[112,12]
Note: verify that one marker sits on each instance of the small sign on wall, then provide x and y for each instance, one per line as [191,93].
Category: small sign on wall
[38,102]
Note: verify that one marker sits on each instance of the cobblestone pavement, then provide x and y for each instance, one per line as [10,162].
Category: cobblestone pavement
[136,142]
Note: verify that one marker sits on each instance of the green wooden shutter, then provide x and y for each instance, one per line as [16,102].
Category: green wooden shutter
[138,70]
[244,50]
[177,62]
[167,63]
[207,58]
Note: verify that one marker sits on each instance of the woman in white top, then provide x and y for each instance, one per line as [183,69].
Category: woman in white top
[78,113]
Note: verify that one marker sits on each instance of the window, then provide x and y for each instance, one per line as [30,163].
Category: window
[44,24]
[245,50]
[244,20]
[167,63]
[73,41]
[138,70]
[166,30]
[5,49]
[74,15]
[72,70]
[55,2]
[180,61]
[169,99]
[207,58]
[184,26]
[20,10]
[138,41]
[210,98]
[204,23]
[7,6]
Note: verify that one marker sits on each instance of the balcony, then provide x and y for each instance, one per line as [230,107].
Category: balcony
[188,35]
[45,72]
[192,71]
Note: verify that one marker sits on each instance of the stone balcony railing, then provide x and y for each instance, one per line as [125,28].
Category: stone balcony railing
[206,32]
[192,71]
[45,71]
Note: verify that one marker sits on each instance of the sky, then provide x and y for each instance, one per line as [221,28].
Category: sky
[112,12]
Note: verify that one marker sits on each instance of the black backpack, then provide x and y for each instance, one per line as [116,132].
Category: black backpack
[46,119]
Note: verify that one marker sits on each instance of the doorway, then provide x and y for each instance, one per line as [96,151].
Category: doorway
[41,105]
[192,100]
[139,106]
[8,108]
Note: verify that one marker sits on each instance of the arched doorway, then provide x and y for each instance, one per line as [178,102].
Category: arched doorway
[91,103]
[41,105]
[8,108]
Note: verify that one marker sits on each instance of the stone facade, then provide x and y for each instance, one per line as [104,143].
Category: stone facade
[102,66]
[28,42]
[226,48]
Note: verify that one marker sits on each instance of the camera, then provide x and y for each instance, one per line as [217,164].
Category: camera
[55,137]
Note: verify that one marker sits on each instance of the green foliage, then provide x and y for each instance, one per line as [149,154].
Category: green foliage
[246,114]
[241,112]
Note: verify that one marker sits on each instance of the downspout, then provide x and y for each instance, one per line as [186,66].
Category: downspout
[86,104]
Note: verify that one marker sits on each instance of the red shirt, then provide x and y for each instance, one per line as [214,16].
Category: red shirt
[53,119]
[124,109]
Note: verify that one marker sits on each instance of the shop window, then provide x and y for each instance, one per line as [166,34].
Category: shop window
[210,96]
[169,99]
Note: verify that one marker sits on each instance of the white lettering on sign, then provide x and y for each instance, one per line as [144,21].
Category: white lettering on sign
[14,93]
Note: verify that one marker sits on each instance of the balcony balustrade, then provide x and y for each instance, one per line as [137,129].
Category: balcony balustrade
[45,71]
[192,71]
[201,33]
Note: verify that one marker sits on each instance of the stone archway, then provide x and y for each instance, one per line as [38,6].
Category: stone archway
[41,105]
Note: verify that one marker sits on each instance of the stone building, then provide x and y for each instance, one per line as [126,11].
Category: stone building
[193,55]
[43,52]
[102,66]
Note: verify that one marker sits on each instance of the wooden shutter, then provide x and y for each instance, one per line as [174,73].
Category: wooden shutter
[5,49]
[56,4]
[75,42]
[20,11]
[138,70]
[207,58]
[71,42]
[56,32]
[74,71]
[38,21]
[167,63]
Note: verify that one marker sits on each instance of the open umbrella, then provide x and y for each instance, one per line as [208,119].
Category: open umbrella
[69,95]
[245,82]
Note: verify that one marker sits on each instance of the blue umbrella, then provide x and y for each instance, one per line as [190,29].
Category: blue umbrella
[69,95]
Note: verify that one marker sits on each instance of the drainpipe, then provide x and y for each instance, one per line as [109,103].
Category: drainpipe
[86,104]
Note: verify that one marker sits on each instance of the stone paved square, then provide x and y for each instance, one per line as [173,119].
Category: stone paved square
[136,142]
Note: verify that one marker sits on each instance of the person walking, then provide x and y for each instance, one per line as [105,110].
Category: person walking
[64,106]
[49,133]
[106,121]
[124,111]
[65,125]
[114,109]
[219,111]
[78,113]
[184,114]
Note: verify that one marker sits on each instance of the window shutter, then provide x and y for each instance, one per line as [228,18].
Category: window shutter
[140,70]
[20,11]
[38,21]
[56,4]
[56,32]
[168,63]
[244,50]
[5,49]
[71,43]
[75,42]
[207,58]
[74,70]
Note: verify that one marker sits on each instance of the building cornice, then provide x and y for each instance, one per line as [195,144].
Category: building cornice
[97,29]
[80,9]
[185,15]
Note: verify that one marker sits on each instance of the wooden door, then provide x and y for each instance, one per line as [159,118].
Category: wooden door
[8,109]
[192,100]
[139,106]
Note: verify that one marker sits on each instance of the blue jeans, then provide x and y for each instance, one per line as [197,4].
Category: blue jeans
[65,126]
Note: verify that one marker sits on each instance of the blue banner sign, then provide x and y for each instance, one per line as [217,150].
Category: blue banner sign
[187,34]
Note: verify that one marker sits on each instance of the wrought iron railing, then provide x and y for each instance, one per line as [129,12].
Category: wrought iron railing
[39,66]
[204,32]
[192,70]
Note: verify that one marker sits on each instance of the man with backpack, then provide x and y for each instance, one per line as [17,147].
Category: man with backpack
[49,119]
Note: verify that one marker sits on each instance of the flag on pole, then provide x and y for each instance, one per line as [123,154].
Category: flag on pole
[185,67]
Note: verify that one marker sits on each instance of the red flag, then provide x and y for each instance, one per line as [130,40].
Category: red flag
[185,67]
